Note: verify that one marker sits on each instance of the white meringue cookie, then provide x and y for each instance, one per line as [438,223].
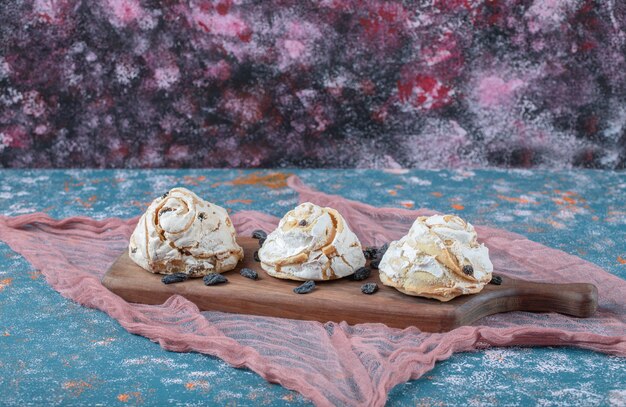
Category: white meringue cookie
[439,258]
[311,243]
[182,233]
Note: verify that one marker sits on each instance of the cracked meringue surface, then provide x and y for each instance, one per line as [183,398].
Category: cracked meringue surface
[439,258]
[182,233]
[311,243]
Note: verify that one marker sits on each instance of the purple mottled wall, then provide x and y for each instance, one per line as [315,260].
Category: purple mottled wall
[341,83]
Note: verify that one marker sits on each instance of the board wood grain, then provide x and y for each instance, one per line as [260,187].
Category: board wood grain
[342,300]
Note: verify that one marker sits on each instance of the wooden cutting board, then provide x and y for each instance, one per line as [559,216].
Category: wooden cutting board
[342,300]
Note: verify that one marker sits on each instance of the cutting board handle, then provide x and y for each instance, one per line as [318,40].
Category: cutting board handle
[576,299]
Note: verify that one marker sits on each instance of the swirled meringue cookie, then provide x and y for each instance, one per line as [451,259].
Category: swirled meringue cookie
[439,258]
[182,233]
[311,243]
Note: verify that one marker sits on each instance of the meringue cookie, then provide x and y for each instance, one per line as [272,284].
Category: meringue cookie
[182,233]
[311,243]
[439,258]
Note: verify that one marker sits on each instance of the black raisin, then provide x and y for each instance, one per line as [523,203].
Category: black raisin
[382,250]
[256,256]
[302,223]
[468,270]
[304,288]
[249,273]
[201,216]
[133,250]
[370,252]
[214,278]
[374,264]
[497,280]
[360,274]
[369,288]
[174,278]
[258,234]
[261,241]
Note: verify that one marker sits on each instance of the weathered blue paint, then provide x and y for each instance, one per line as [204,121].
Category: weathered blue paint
[53,351]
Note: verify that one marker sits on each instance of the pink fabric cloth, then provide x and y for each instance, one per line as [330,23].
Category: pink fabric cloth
[332,363]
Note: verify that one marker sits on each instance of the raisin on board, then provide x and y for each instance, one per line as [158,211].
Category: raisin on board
[214,278]
[304,288]
[497,280]
[370,252]
[374,264]
[249,273]
[382,250]
[369,288]
[360,274]
[258,234]
[256,256]
[174,278]
[261,241]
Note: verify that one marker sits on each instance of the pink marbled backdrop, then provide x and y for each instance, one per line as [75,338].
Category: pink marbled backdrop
[332,83]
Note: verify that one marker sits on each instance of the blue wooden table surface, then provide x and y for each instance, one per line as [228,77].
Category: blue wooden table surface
[53,351]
